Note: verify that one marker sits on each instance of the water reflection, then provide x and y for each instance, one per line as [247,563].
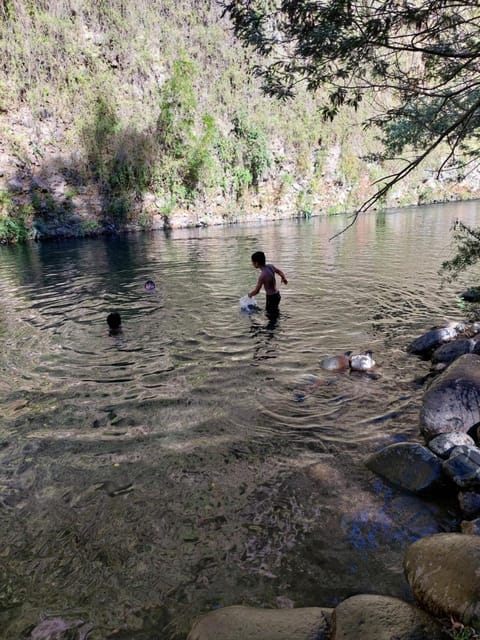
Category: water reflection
[155,474]
[263,329]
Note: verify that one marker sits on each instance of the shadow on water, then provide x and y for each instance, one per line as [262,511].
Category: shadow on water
[150,477]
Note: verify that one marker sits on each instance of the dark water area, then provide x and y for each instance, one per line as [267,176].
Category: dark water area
[201,458]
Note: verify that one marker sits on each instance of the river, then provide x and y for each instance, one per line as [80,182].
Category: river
[201,458]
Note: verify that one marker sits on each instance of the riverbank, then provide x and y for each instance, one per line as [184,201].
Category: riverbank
[58,216]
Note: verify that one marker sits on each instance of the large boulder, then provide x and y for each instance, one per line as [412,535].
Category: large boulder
[408,465]
[452,401]
[248,623]
[443,572]
[368,617]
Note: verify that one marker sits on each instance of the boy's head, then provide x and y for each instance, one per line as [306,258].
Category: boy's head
[258,259]
[114,320]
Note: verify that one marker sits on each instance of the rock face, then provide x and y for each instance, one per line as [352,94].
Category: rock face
[408,465]
[248,623]
[368,617]
[443,571]
[452,402]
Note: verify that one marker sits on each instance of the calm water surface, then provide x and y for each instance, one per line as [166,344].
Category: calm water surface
[149,477]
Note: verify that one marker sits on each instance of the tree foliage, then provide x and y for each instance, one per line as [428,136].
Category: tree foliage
[416,61]
[467,240]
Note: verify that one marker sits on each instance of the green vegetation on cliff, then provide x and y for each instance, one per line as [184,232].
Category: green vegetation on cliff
[121,113]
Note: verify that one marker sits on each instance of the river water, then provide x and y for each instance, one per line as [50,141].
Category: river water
[201,458]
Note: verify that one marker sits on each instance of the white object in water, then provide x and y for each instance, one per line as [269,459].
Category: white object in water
[362,361]
[248,304]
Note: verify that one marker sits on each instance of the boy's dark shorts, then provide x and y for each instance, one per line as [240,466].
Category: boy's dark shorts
[272,302]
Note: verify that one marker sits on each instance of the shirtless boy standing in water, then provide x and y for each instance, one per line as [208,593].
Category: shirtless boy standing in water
[267,280]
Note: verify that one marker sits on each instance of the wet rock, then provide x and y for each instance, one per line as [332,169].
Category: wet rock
[365,617]
[450,351]
[469,502]
[246,623]
[471,295]
[443,444]
[443,572]
[452,401]
[436,337]
[471,527]
[463,466]
[408,465]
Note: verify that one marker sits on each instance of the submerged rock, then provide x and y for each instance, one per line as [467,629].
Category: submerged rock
[408,465]
[246,623]
[443,572]
[61,629]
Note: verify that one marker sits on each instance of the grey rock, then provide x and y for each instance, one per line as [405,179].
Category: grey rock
[443,444]
[450,351]
[463,466]
[409,465]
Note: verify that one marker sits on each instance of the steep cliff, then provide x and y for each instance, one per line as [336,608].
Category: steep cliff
[137,115]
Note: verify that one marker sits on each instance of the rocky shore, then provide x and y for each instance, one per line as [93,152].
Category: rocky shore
[443,569]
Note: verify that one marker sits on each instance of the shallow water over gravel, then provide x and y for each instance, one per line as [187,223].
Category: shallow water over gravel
[154,475]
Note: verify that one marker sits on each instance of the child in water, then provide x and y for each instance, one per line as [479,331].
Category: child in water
[267,280]
[114,322]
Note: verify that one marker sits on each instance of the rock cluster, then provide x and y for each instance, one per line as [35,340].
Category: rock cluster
[442,570]
[449,458]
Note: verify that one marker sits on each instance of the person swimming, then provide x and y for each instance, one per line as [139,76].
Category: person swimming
[114,322]
[149,285]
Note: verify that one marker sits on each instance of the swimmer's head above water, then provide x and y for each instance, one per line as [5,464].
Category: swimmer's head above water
[114,322]
[149,285]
